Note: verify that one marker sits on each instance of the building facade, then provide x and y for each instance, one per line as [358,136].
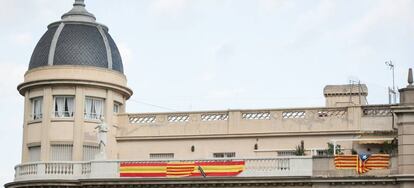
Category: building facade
[77,134]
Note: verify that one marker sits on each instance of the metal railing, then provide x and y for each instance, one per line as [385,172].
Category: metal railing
[63,114]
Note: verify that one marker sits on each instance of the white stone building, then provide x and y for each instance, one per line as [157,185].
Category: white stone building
[75,82]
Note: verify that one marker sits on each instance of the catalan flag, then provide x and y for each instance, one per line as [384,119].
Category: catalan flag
[181,169]
[362,163]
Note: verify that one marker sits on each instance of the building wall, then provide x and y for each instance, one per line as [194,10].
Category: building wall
[77,130]
[204,148]
[272,133]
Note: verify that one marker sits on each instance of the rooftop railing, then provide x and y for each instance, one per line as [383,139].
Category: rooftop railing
[245,115]
[289,166]
[253,167]
[260,121]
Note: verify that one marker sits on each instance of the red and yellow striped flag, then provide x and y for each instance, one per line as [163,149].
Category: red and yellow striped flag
[375,161]
[181,169]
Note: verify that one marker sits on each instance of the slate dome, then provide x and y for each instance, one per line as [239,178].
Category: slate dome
[77,40]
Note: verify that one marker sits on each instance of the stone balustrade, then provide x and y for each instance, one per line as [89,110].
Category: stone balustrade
[258,167]
[290,166]
[286,114]
[52,170]
[350,118]
[271,114]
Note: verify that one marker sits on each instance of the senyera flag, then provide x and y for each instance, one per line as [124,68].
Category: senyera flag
[181,169]
[362,163]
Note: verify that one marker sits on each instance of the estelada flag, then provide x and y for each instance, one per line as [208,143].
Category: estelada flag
[362,163]
[181,169]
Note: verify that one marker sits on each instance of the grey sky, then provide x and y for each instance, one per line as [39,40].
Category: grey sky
[219,54]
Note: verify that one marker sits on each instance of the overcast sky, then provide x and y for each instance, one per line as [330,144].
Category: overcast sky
[182,55]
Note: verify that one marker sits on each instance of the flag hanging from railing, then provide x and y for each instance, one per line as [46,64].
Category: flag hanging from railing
[362,163]
[181,169]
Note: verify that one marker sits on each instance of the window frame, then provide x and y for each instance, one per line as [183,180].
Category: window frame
[36,116]
[118,107]
[225,155]
[57,151]
[93,116]
[161,155]
[70,116]
[31,150]
[89,152]
[286,153]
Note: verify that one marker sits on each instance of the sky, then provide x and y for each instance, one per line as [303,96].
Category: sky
[184,55]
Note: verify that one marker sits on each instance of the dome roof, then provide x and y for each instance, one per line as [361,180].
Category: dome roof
[77,40]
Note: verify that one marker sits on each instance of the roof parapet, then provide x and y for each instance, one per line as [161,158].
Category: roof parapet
[348,89]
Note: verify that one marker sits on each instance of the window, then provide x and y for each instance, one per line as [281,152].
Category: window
[61,152]
[116,107]
[34,153]
[224,155]
[89,152]
[323,152]
[63,106]
[161,155]
[93,108]
[286,153]
[37,108]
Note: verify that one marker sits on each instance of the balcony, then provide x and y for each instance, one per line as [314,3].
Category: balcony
[259,167]
[282,167]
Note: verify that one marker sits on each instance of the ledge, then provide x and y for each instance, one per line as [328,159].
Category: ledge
[247,135]
[68,119]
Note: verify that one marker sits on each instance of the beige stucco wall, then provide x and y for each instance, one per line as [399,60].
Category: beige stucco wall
[237,134]
[82,82]
[126,140]
[204,148]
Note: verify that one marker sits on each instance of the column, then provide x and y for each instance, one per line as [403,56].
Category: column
[47,112]
[77,154]
[111,152]
[26,118]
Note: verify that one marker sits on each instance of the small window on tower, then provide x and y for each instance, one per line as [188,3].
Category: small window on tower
[117,107]
[36,108]
[94,108]
[64,106]
[61,152]
[34,153]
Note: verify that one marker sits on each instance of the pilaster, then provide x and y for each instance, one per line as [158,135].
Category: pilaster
[26,118]
[46,116]
[77,154]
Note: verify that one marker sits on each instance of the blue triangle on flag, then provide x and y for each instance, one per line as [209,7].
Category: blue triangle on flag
[364,156]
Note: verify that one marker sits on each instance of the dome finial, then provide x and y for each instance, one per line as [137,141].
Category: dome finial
[79,13]
[79,3]
[410,77]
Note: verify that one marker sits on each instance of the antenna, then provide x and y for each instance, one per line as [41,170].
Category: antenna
[360,90]
[392,92]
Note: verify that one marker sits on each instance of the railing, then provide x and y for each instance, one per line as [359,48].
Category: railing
[63,114]
[36,116]
[292,166]
[52,170]
[254,167]
[230,122]
[93,116]
[214,117]
[246,115]
[377,110]
[324,166]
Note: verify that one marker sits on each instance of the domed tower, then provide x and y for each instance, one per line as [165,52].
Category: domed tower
[74,81]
